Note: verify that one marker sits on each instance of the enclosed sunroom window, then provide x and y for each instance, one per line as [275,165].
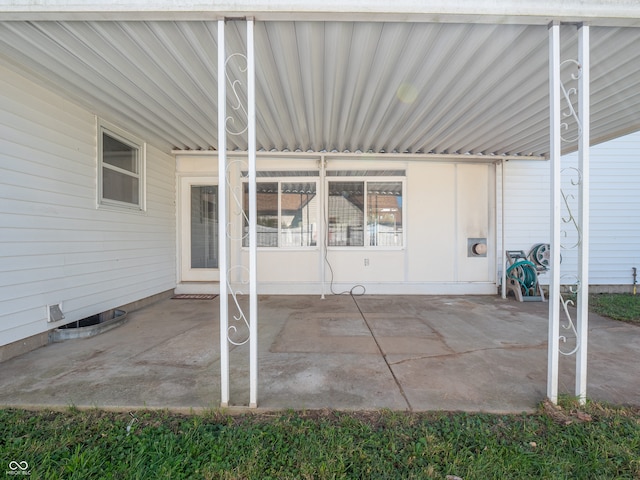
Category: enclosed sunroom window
[287,212]
[365,213]
[384,214]
[120,168]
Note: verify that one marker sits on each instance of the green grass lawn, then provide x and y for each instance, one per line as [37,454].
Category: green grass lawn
[625,307]
[593,442]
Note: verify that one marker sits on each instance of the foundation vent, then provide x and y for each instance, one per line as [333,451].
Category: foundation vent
[55,313]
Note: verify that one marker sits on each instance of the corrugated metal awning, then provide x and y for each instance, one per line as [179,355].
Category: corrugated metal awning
[375,87]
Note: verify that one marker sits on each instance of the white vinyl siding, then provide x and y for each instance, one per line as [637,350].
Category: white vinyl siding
[615,209]
[55,246]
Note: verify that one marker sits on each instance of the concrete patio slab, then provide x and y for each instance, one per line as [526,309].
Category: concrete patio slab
[478,353]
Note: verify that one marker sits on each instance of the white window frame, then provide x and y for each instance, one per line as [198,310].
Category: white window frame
[366,240]
[280,180]
[140,147]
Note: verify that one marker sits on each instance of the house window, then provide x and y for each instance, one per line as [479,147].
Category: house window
[287,213]
[365,213]
[120,169]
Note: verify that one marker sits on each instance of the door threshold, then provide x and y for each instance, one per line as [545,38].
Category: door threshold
[202,288]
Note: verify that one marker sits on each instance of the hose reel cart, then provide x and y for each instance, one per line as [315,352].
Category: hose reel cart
[523,272]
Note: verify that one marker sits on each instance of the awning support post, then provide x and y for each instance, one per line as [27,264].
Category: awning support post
[222,217]
[559,200]
[500,253]
[253,215]
[583,214]
[231,271]
[555,162]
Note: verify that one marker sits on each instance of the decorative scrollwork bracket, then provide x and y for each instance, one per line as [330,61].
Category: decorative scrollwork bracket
[569,218]
[574,288]
[568,94]
[239,61]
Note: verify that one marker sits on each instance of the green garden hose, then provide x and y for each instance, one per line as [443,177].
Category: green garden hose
[524,272]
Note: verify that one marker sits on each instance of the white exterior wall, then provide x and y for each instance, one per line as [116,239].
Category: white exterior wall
[55,245]
[445,204]
[615,210]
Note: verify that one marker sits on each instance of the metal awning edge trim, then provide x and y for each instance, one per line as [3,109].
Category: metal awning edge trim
[369,156]
[529,12]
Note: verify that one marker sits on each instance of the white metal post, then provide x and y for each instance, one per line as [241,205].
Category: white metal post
[322,228]
[501,253]
[555,158]
[222,217]
[583,212]
[253,215]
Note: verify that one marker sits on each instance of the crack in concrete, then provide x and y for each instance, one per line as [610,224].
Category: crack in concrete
[384,357]
[459,354]
[437,333]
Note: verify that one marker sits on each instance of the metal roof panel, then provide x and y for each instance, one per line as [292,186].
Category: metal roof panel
[416,88]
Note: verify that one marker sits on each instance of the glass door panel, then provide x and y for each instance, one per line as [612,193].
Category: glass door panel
[199,229]
[204,226]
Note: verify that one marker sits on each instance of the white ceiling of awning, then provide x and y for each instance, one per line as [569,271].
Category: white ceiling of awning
[414,88]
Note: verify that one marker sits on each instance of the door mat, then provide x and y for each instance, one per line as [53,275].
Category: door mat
[194,296]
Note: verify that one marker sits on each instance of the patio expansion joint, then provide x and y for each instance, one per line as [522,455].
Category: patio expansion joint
[163,342]
[384,356]
[466,352]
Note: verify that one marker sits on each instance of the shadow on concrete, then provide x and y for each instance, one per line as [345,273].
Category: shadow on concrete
[473,353]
